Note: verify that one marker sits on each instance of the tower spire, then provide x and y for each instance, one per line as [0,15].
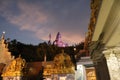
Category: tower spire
[58,41]
[49,42]
[58,37]
[3,35]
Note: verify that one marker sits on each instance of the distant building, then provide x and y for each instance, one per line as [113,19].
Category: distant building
[58,41]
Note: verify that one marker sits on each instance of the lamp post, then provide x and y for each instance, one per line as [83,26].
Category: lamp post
[75,58]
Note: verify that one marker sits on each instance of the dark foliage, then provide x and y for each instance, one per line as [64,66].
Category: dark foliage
[37,52]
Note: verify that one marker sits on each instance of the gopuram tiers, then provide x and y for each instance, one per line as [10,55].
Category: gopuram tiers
[5,55]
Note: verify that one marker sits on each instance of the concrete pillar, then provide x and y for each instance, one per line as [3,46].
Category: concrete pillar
[101,70]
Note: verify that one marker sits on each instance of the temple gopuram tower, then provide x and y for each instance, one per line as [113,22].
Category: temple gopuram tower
[58,41]
[5,55]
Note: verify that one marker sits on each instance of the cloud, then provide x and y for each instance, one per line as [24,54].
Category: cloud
[73,39]
[31,18]
[4,8]
[42,18]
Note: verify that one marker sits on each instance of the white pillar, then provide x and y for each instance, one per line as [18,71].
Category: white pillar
[113,62]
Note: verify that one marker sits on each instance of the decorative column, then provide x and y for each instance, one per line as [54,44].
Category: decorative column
[113,62]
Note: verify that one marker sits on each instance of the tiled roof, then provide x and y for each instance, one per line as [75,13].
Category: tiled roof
[33,68]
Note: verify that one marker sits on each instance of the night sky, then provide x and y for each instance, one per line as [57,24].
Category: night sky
[31,21]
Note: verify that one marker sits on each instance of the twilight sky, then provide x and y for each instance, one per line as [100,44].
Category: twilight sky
[31,21]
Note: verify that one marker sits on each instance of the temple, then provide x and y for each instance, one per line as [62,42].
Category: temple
[58,41]
[61,68]
[101,48]
[16,68]
[104,44]
[14,71]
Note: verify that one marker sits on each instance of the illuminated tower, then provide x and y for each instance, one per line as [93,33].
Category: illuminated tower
[58,41]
